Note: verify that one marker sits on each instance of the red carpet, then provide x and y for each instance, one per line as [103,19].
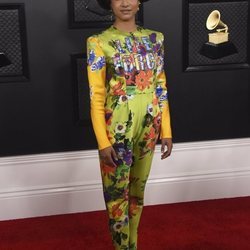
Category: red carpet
[204,225]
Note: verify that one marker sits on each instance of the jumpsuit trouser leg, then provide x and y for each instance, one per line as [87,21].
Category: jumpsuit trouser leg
[134,129]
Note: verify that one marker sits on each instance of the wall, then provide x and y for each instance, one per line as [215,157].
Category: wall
[38,116]
[49,184]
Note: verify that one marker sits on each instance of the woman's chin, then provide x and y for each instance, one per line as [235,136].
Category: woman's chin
[126,18]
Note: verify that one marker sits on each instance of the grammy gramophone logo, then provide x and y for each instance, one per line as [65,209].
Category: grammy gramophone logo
[218,44]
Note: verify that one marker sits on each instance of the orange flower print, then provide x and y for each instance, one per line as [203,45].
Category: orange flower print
[107,170]
[133,206]
[157,121]
[117,89]
[116,211]
[150,135]
[142,80]
[155,101]
[151,145]
[149,74]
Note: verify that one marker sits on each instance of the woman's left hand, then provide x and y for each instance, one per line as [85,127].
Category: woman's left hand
[166,142]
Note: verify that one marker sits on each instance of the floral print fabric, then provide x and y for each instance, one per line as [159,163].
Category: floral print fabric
[123,64]
[129,110]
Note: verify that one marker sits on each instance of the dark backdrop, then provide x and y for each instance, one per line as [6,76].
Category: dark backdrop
[38,116]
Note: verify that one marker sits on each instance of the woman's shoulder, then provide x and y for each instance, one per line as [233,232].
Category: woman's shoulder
[151,32]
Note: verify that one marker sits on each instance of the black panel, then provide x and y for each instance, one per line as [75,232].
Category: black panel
[236,15]
[13,43]
[81,89]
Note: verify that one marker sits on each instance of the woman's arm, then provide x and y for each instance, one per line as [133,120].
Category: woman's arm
[97,77]
[162,93]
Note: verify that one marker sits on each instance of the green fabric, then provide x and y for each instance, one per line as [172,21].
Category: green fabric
[131,67]
[134,127]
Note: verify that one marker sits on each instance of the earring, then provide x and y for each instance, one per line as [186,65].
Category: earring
[139,6]
[111,15]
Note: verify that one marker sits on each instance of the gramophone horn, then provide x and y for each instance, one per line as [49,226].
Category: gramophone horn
[213,20]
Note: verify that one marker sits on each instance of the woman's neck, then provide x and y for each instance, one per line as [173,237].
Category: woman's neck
[128,26]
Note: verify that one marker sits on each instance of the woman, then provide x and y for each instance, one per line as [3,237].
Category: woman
[129,110]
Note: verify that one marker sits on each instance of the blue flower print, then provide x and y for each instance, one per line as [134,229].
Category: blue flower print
[159,90]
[100,62]
[164,96]
[123,153]
[91,57]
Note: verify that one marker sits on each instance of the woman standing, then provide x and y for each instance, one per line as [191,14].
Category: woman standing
[129,110]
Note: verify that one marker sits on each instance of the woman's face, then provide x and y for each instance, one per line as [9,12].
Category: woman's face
[125,10]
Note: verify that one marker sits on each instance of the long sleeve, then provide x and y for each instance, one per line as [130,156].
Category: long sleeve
[97,76]
[162,94]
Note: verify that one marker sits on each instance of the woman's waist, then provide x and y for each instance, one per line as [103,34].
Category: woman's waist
[131,90]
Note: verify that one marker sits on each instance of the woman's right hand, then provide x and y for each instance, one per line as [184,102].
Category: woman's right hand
[107,156]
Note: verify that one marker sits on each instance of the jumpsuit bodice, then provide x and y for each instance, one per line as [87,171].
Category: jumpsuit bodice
[121,65]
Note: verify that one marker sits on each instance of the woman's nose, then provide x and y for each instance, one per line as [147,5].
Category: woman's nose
[125,3]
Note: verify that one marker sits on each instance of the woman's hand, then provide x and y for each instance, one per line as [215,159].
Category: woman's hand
[107,156]
[166,142]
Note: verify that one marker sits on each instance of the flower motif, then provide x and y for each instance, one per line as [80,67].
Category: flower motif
[130,97]
[123,153]
[155,101]
[150,109]
[91,57]
[160,65]
[150,135]
[122,99]
[133,206]
[142,80]
[157,120]
[128,157]
[117,227]
[164,96]
[159,90]
[117,89]
[130,77]
[152,37]
[120,128]
[151,145]
[107,170]
[99,64]
[148,119]
[116,211]
[108,116]
[157,47]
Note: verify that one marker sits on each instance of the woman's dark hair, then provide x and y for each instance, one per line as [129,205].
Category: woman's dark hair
[105,4]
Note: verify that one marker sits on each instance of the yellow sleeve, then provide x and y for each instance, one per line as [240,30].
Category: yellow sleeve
[162,93]
[96,67]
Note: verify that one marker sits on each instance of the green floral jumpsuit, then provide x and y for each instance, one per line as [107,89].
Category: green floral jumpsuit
[129,110]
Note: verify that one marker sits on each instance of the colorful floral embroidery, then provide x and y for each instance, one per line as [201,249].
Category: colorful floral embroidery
[99,64]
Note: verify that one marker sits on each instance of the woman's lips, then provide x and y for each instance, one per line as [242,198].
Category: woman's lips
[125,11]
